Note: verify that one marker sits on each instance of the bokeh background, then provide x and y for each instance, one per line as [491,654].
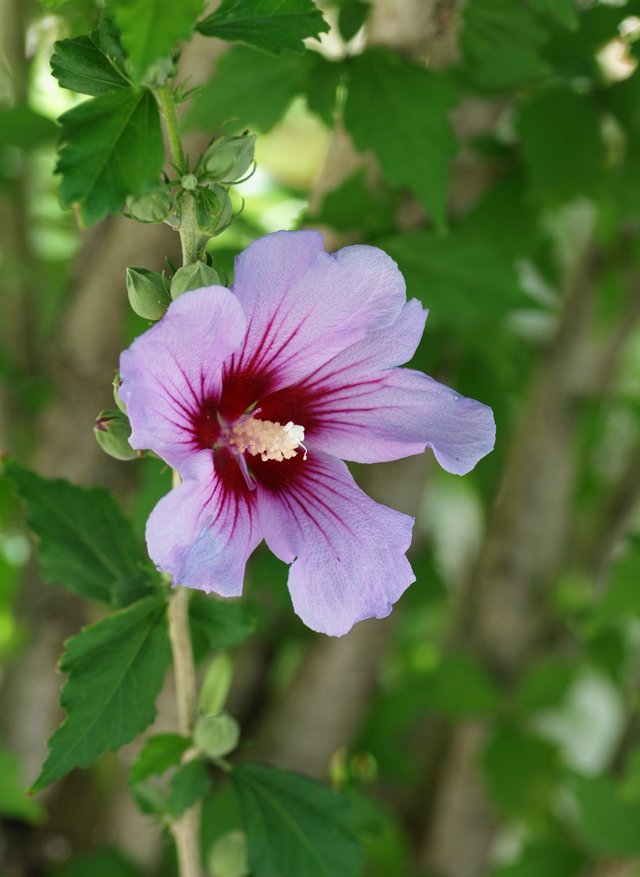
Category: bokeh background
[489,727]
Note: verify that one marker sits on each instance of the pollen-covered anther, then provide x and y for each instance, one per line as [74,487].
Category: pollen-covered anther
[270,441]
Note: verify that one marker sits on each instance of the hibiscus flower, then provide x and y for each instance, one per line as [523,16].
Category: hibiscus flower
[256,394]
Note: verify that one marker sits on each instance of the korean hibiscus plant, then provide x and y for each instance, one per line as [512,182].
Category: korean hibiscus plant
[256,394]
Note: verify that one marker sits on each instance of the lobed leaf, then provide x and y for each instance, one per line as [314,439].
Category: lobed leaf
[85,543]
[116,669]
[294,825]
[413,141]
[150,29]
[273,25]
[112,148]
[81,65]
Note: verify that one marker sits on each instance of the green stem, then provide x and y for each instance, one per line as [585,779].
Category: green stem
[188,226]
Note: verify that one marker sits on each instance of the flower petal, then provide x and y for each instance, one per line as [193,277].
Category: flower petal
[202,533]
[167,371]
[401,414]
[304,305]
[347,551]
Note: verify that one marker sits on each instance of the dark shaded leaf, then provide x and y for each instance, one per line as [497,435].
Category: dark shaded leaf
[400,111]
[294,825]
[80,65]
[273,25]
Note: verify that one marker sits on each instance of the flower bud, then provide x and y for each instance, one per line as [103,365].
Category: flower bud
[189,182]
[193,276]
[155,206]
[227,857]
[112,431]
[148,293]
[214,210]
[117,383]
[229,158]
[215,687]
[216,736]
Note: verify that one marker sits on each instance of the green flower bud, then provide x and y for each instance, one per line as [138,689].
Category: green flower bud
[229,158]
[155,206]
[158,72]
[227,857]
[215,687]
[112,431]
[216,736]
[193,276]
[117,382]
[189,182]
[148,293]
[214,210]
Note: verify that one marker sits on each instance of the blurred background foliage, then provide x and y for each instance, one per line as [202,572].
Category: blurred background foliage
[490,727]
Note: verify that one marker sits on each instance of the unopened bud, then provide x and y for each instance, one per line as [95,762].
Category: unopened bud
[189,182]
[214,210]
[228,856]
[148,293]
[215,687]
[216,736]
[229,158]
[193,276]
[117,383]
[112,431]
[155,206]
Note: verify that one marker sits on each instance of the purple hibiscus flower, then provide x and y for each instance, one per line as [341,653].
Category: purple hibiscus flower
[256,394]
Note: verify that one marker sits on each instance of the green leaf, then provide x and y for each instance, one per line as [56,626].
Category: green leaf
[354,206]
[321,86]
[112,148]
[82,66]
[158,754]
[545,685]
[522,771]
[22,127]
[14,803]
[249,89]
[103,863]
[150,29]
[465,281]
[400,111]
[294,825]
[85,543]
[607,820]
[188,785]
[550,126]
[116,669]
[501,42]
[564,11]
[352,15]
[273,25]
[460,686]
[219,623]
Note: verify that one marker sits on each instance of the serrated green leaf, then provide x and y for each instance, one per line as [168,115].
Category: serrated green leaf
[81,65]
[294,825]
[273,25]
[84,541]
[352,16]
[150,29]
[116,669]
[112,148]
[158,754]
[249,89]
[551,125]
[219,624]
[188,785]
[501,44]
[400,111]
[321,86]
[22,127]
